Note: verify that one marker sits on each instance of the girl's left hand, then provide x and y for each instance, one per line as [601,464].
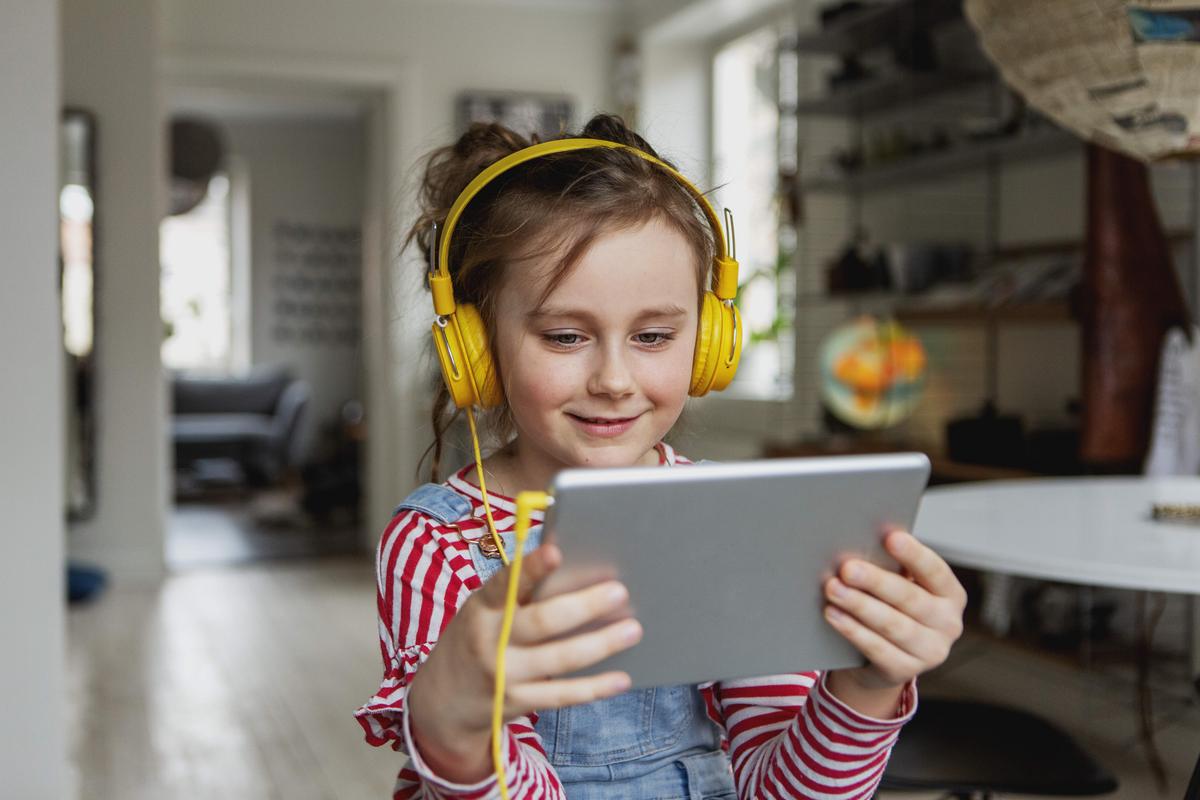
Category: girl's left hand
[903,623]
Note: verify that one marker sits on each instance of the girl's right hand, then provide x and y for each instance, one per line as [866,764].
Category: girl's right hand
[450,697]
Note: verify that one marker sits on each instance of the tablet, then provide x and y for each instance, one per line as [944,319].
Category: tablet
[725,563]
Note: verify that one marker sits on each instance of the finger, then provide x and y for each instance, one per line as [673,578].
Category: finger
[564,656]
[535,567]
[927,645]
[892,662]
[561,614]
[898,592]
[924,565]
[543,695]
[548,560]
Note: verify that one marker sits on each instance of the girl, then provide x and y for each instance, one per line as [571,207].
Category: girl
[588,270]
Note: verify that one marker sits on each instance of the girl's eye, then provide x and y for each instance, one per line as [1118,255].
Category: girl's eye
[654,339]
[563,339]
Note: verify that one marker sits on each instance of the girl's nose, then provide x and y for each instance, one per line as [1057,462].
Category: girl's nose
[611,375]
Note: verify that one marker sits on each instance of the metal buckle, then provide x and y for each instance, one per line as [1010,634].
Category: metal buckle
[485,543]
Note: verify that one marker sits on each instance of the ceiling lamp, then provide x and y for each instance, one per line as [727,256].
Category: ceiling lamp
[1125,76]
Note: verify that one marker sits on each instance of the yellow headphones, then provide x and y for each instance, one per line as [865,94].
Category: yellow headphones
[460,337]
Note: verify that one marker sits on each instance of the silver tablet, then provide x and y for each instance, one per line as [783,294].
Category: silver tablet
[725,562]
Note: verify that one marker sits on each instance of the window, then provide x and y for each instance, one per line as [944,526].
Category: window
[754,167]
[195,288]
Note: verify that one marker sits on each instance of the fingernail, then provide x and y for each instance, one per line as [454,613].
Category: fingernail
[833,614]
[620,683]
[837,588]
[854,572]
[631,632]
[616,593]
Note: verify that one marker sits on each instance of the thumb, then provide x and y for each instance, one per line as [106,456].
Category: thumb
[535,567]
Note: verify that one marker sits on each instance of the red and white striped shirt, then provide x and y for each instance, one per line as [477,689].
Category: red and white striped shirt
[788,736]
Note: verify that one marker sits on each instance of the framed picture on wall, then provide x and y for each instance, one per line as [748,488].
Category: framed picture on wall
[547,115]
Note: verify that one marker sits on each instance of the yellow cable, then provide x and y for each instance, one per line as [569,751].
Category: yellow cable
[487,508]
[526,503]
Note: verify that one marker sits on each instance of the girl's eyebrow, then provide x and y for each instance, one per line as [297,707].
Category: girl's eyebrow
[669,310]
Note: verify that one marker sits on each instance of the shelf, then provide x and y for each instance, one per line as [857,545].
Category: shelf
[910,309]
[883,92]
[1049,311]
[943,469]
[968,156]
[877,25]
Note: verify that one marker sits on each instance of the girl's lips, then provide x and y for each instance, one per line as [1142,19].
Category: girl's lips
[603,427]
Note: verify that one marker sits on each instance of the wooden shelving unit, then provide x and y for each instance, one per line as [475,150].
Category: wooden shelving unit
[885,92]
[1043,144]
[944,470]
[877,24]
[1009,313]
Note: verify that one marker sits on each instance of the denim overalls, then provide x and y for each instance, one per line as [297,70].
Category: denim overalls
[646,744]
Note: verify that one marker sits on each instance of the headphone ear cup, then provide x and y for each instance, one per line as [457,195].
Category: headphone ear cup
[718,346]
[479,356]
[708,342]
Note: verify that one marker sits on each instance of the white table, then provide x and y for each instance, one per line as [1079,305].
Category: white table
[1095,531]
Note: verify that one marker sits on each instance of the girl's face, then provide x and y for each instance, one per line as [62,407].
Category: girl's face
[599,373]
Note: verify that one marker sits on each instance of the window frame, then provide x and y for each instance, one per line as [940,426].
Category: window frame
[762,416]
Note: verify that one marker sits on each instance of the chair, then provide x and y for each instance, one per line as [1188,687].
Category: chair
[253,420]
[974,750]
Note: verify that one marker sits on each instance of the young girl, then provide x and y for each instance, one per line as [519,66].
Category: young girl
[588,269]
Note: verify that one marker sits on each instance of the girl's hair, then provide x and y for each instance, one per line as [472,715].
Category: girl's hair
[553,205]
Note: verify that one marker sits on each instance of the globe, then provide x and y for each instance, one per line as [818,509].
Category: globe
[872,373]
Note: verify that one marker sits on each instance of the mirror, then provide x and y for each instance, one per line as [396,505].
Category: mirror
[77,284]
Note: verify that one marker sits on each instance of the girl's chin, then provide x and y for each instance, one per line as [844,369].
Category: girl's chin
[623,454]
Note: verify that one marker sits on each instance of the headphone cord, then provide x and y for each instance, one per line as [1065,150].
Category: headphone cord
[487,507]
[527,502]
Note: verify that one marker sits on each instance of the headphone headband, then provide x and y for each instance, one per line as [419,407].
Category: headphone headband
[724,279]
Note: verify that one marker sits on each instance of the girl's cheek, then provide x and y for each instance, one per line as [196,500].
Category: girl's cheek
[544,383]
[667,382]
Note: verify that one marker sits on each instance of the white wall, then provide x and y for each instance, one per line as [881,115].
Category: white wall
[309,172]
[434,50]
[32,739]
[109,66]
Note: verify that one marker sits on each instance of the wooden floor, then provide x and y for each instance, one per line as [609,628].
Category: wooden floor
[235,683]
[241,683]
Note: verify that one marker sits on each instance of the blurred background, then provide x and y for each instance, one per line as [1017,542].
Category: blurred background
[217,384]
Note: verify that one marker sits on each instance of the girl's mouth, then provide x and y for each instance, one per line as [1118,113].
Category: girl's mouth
[603,427]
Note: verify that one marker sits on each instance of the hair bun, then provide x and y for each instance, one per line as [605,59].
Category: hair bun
[611,127]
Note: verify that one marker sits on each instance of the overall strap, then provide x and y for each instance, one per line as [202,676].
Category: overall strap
[448,507]
[440,502]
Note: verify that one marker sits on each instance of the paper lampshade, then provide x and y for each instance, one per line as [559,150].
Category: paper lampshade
[1123,75]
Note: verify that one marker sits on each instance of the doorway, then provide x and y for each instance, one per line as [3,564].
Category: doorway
[261,292]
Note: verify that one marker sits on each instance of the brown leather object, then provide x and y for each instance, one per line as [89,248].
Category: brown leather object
[1131,297]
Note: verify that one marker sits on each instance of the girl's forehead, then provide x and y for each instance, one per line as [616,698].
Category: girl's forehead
[648,264]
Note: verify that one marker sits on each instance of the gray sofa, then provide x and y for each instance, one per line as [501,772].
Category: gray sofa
[252,420]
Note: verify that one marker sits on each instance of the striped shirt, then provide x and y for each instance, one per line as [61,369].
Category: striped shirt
[787,736]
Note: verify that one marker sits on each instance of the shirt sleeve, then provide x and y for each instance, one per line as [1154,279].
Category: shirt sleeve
[790,738]
[423,577]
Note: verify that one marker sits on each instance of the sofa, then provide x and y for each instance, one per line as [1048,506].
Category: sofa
[253,420]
